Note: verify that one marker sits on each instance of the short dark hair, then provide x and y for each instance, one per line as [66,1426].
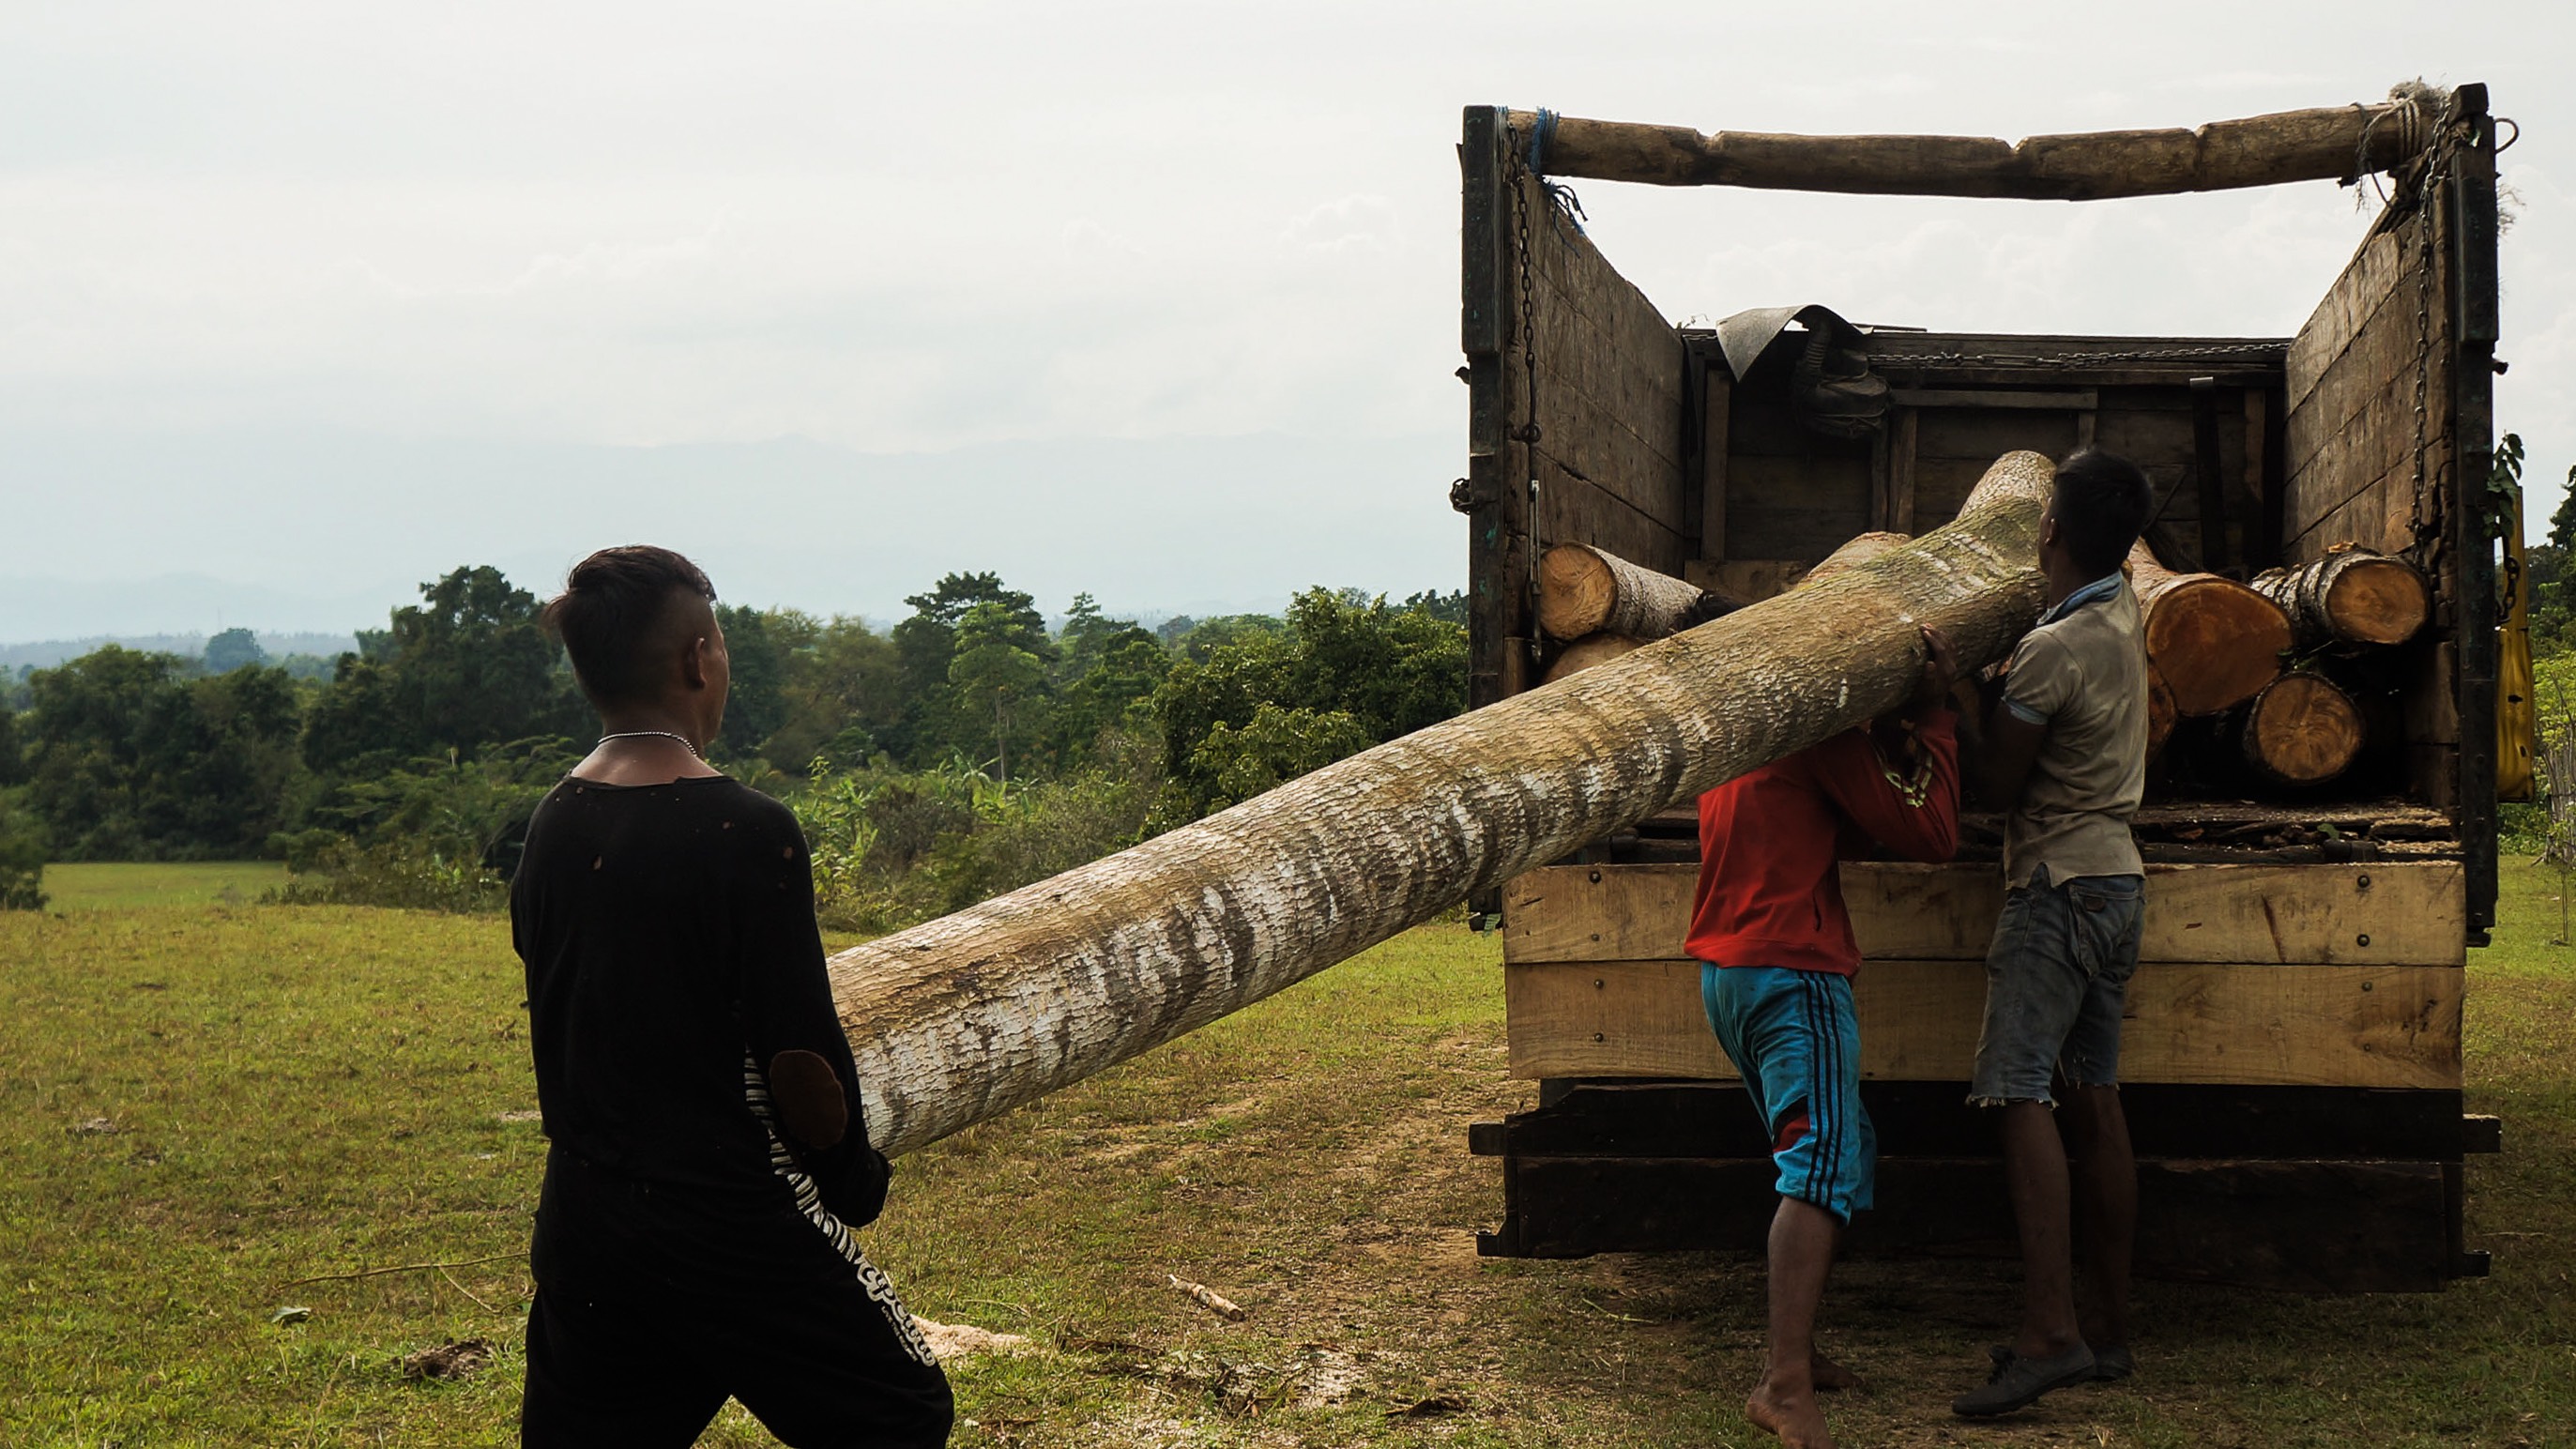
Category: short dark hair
[2101,502]
[610,611]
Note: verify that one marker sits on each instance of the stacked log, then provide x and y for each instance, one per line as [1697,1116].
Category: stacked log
[2215,641]
[2303,729]
[1592,649]
[1584,591]
[2351,597]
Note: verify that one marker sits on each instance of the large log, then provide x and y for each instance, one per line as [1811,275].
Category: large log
[2302,730]
[2331,143]
[1590,650]
[1859,550]
[1584,590]
[2352,596]
[2215,641]
[968,1016]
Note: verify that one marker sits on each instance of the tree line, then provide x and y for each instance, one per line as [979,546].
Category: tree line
[968,749]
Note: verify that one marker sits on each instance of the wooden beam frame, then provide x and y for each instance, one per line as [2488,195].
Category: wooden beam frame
[2333,143]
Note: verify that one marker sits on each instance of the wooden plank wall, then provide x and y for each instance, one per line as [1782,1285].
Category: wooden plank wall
[2252,975]
[2351,378]
[1610,411]
[1793,495]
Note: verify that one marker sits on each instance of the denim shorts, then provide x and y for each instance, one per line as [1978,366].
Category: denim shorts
[1794,1040]
[2057,975]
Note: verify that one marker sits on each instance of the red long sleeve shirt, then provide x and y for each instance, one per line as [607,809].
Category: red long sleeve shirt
[1770,890]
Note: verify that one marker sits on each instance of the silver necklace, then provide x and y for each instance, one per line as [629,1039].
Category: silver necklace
[663,734]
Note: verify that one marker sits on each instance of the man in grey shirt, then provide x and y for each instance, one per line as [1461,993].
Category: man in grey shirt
[2065,752]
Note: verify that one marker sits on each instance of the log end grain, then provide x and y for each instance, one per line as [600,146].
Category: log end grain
[2216,641]
[2377,601]
[2302,730]
[1576,591]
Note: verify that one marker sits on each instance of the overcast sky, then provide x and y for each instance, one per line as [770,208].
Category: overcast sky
[303,304]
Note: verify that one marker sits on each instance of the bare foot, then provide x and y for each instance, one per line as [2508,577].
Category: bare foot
[1829,1376]
[1791,1417]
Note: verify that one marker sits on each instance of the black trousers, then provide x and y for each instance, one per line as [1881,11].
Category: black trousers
[822,1366]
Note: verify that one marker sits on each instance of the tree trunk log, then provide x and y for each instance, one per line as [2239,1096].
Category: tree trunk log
[2160,711]
[971,1015]
[2351,597]
[2215,641]
[1592,649]
[2302,730]
[2313,145]
[1860,550]
[1584,591]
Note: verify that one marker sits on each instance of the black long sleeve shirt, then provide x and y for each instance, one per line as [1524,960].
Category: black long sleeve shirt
[669,938]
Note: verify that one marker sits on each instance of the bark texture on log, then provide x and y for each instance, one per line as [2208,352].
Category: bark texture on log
[2160,711]
[1584,591]
[2215,641]
[2322,144]
[2302,730]
[1860,550]
[971,1015]
[1593,649]
[2353,596]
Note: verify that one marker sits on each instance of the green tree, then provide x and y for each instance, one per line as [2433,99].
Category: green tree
[131,756]
[1389,669]
[935,722]
[844,691]
[23,852]
[762,644]
[466,667]
[995,670]
[233,649]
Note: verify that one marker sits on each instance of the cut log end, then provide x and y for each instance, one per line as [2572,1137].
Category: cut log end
[2302,730]
[1576,591]
[2216,642]
[2377,601]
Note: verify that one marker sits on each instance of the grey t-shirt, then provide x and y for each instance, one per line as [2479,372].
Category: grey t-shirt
[2082,672]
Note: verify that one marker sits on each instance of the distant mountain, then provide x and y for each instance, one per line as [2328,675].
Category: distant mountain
[185,534]
[45,654]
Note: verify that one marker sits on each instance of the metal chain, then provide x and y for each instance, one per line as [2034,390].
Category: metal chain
[2426,528]
[1900,360]
[1527,434]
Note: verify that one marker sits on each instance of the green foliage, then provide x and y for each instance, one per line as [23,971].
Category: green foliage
[466,667]
[762,645]
[129,758]
[1273,747]
[233,649]
[1384,670]
[891,846]
[23,852]
[439,833]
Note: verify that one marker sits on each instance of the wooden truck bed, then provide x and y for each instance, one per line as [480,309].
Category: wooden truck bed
[2291,1058]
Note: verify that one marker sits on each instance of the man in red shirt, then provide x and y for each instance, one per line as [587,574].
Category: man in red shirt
[1777,957]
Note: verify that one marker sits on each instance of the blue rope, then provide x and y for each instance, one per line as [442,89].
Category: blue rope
[1540,135]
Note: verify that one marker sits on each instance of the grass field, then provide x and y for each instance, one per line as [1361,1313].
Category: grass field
[98,887]
[201,1104]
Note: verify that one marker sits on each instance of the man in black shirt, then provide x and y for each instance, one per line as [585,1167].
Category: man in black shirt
[709,1148]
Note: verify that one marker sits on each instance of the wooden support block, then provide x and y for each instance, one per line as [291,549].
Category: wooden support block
[2345,1026]
[2316,1227]
[2376,912]
[1933,1119]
